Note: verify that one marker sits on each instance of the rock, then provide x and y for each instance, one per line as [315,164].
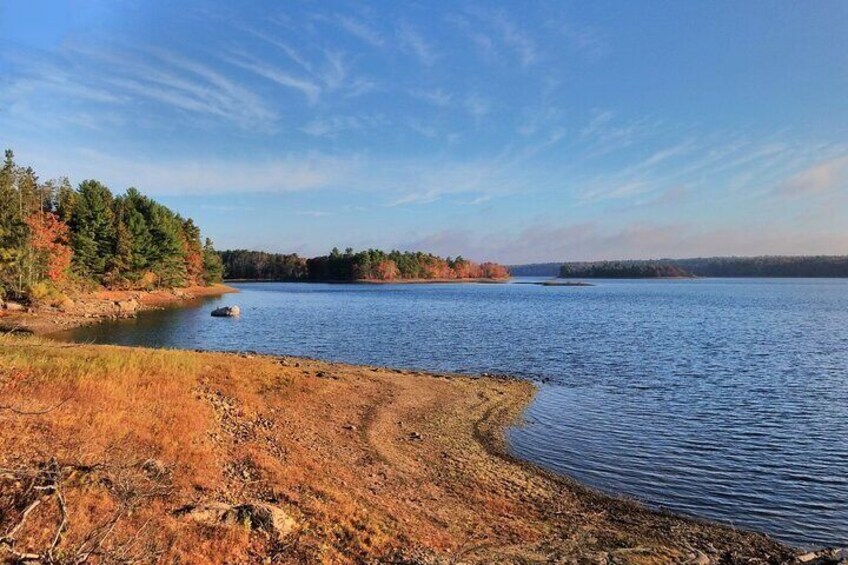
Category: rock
[264,517]
[415,436]
[699,558]
[824,557]
[226,312]
[127,307]
[271,519]
[14,307]
[154,468]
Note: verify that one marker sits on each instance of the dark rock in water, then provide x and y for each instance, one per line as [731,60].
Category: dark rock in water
[226,312]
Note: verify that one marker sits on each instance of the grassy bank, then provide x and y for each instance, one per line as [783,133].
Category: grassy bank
[174,456]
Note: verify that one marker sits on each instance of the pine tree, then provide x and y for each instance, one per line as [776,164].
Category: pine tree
[213,267]
[93,227]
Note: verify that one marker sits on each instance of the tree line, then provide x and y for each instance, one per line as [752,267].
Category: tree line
[765,266]
[55,238]
[347,266]
[623,270]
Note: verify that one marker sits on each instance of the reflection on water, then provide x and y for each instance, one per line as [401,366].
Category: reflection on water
[726,399]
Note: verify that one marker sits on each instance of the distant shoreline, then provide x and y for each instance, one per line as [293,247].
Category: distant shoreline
[375,282]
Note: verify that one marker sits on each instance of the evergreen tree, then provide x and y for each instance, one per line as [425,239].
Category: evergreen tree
[213,267]
[93,227]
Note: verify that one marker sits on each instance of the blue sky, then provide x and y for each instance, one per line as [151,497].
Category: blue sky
[510,131]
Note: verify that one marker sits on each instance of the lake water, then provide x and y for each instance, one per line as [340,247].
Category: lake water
[725,399]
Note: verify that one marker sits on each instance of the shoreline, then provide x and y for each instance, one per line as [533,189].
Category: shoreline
[399,463]
[99,306]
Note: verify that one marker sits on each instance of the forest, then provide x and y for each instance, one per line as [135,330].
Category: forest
[347,266]
[763,266]
[623,270]
[57,240]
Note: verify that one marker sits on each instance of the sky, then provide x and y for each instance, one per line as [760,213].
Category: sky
[509,131]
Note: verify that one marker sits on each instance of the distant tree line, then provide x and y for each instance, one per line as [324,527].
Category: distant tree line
[55,238]
[347,266]
[764,266]
[535,270]
[622,270]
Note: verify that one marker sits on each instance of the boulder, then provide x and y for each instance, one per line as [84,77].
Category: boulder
[264,517]
[127,307]
[15,307]
[226,312]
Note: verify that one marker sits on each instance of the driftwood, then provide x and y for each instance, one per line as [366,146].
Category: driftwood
[31,486]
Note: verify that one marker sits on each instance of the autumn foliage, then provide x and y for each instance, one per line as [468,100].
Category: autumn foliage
[49,238]
[368,265]
[55,238]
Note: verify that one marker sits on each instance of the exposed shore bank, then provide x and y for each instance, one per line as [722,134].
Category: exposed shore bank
[102,305]
[346,463]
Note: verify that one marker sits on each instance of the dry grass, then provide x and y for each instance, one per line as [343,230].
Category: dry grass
[372,464]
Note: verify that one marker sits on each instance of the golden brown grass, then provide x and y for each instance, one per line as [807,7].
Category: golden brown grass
[373,465]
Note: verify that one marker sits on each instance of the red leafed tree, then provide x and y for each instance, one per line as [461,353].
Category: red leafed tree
[493,271]
[49,237]
[387,270]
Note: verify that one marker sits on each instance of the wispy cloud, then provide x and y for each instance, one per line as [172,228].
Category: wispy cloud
[517,40]
[360,30]
[279,76]
[128,78]
[437,96]
[821,178]
[314,213]
[590,241]
[477,106]
[501,34]
[197,176]
[333,126]
[413,42]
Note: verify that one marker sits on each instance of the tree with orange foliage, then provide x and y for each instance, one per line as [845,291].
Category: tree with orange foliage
[386,270]
[50,243]
[493,271]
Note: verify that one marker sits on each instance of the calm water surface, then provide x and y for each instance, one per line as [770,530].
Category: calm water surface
[724,399]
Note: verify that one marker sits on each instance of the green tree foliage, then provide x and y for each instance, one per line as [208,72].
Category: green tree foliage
[93,229]
[338,266]
[213,267]
[765,266]
[125,241]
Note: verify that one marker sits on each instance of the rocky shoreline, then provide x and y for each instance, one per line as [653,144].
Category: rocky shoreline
[95,307]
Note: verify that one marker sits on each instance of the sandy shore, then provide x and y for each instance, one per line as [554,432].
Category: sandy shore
[355,464]
[103,305]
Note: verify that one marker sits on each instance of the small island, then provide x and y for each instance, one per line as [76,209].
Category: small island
[369,266]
